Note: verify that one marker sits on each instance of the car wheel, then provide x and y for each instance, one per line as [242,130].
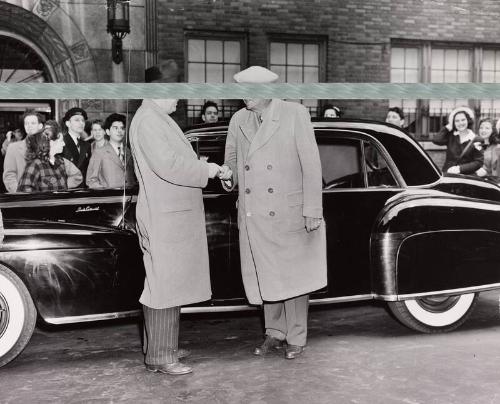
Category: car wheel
[433,314]
[17,316]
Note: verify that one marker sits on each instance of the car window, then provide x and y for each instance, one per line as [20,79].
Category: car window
[341,163]
[377,169]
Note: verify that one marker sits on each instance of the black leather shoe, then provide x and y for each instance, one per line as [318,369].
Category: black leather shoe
[175,368]
[292,351]
[182,353]
[269,344]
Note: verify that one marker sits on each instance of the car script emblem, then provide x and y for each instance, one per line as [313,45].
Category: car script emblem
[86,209]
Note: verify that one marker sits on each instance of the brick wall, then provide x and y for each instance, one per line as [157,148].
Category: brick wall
[358,32]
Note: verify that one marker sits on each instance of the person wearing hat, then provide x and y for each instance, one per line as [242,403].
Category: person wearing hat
[331,111]
[76,149]
[171,229]
[272,155]
[464,153]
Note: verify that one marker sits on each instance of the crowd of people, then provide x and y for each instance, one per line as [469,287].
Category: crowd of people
[43,157]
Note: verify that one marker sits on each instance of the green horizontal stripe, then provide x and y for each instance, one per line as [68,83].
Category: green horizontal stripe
[238,91]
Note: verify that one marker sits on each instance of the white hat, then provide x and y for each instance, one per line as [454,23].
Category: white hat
[467,110]
[255,75]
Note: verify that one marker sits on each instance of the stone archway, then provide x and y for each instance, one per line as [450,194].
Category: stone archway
[67,62]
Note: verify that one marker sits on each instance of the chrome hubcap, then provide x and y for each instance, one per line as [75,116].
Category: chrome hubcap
[438,304]
[4,315]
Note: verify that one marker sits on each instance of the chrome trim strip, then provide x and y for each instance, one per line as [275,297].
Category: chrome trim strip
[91,317]
[342,299]
[459,291]
[29,232]
[68,201]
[191,310]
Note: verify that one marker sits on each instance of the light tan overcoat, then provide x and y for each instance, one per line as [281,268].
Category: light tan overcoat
[278,171]
[170,213]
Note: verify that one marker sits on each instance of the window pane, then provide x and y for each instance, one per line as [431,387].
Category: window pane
[450,59]
[294,54]
[280,71]
[411,58]
[196,73]
[231,52]
[294,74]
[463,77]
[214,51]
[437,57]
[278,53]
[311,55]
[340,163]
[196,50]
[464,59]
[411,76]
[397,76]
[214,73]
[397,57]
[229,72]
[311,74]
[488,77]
[437,76]
[488,60]
[450,76]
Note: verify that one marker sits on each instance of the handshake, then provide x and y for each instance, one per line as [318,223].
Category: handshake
[223,172]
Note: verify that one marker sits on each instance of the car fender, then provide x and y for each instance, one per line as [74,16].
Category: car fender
[430,242]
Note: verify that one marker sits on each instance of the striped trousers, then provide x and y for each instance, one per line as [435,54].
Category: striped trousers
[161,335]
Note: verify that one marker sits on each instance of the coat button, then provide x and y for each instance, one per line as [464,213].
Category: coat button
[247,191]
[269,167]
[249,214]
[270,190]
[271,213]
[247,167]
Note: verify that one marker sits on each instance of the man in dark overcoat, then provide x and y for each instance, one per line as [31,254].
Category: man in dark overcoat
[272,155]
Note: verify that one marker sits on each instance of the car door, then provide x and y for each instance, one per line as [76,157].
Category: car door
[222,228]
[358,179]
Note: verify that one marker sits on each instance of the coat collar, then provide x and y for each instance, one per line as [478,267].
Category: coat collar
[110,151]
[268,127]
[167,119]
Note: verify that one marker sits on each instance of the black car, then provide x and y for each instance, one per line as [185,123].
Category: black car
[397,231]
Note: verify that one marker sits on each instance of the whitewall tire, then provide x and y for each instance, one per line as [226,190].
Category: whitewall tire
[434,314]
[17,316]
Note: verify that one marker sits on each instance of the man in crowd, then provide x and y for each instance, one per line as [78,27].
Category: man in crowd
[15,162]
[171,229]
[210,112]
[395,116]
[76,149]
[272,155]
[111,165]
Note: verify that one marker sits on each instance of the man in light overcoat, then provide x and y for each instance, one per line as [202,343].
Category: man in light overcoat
[171,229]
[272,155]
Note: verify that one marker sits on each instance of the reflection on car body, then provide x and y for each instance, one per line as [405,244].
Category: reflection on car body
[397,231]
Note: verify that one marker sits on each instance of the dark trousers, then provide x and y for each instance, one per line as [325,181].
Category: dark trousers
[287,320]
[161,335]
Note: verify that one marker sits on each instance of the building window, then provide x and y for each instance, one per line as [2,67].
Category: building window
[213,58]
[298,62]
[436,63]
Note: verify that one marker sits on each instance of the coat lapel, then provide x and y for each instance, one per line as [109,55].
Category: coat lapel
[268,127]
[113,156]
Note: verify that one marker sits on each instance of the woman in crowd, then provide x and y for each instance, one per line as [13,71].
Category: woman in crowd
[11,136]
[46,169]
[464,151]
[489,134]
[330,111]
[98,134]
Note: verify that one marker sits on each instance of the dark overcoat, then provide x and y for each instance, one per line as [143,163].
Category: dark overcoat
[170,213]
[278,171]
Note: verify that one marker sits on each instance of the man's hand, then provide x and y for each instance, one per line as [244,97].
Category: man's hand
[213,170]
[453,170]
[312,223]
[225,173]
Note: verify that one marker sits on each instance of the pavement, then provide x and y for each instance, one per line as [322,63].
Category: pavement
[356,353]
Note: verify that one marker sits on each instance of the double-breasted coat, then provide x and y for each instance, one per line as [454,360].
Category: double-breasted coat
[277,167]
[170,214]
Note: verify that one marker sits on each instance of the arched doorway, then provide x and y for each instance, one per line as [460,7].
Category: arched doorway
[22,62]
